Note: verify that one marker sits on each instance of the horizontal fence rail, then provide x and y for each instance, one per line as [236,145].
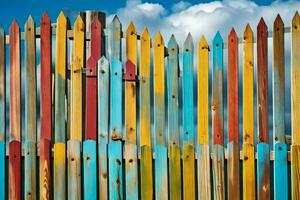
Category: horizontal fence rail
[143,128]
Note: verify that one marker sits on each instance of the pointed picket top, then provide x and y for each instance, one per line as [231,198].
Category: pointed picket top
[129,71]
[158,40]
[296,22]
[248,34]
[145,34]
[29,21]
[79,23]
[203,43]
[218,40]
[96,24]
[262,26]
[232,37]
[61,19]
[172,44]
[115,22]
[188,43]
[103,63]
[131,29]
[45,20]
[14,26]
[278,23]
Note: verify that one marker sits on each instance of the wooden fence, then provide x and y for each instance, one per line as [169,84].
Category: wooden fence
[111,129]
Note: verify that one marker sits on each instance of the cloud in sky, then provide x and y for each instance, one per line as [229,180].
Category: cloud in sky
[203,18]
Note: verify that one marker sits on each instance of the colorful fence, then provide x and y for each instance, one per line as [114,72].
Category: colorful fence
[112,130]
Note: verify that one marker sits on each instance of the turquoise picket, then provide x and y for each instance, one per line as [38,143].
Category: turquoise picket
[115,130]
[90,169]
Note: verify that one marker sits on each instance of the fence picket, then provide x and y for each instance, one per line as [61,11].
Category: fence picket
[295,98]
[263,148]
[30,111]
[60,117]
[173,119]
[161,164]
[203,154]
[2,112]
[103,116]
[115,164]
[188,151]
[280,148]
[15,113]
[145,118]
[233,160]
[46,108]
[217,119]
[248,116]
[130,147]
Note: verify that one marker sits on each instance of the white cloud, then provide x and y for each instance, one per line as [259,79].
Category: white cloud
[203,18]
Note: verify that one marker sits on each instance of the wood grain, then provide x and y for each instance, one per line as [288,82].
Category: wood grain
[173,120]
[161,164]
[248,115]
[76,81]
[295,106]
[103,126]
[14,179]
[60,78]
[145,118]
[280,148]
[188,150]
[15,82]
[217,119]
[203,162]
[233,181]
[30,110]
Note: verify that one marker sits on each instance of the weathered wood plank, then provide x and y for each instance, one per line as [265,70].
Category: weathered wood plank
[91,81]
[114,39]
[115,144]
[217,119]
[295,106]
[280,148]
[76,81]
[15,82]
[204,191]
[90,169]
[74,169]
[60,78]
[173,120]
[91,99]
[103,117]
[233,181]
[248,115]
[59,184]
[59,181]
[30,111]
[14,179]
[46,108]
[2,113]
[130,148]
[161,163]
[188,119]
[263,164]
[145,118]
